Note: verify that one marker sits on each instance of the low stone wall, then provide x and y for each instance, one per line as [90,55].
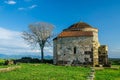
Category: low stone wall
[91,75]
[9,69]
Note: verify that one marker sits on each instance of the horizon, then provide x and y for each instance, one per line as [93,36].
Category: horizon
[17,15]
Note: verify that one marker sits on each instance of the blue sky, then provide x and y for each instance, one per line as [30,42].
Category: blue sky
[16,15]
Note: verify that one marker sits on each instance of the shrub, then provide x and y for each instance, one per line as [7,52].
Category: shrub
[2,61]
[31,60]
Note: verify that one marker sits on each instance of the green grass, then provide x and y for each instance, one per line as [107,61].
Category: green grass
[52,72]
[46,72]
[108,74]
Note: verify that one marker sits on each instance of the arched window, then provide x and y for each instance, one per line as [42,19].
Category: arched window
[74,50]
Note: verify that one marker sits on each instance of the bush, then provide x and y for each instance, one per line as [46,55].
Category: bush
[26,58]
[115,61]
[31,60]
[2,61]
[48,61]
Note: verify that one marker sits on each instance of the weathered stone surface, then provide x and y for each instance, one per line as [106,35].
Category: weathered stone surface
[103,55]
[77,49]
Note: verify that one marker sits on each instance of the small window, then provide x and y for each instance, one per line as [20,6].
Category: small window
[74,50]
[86,59]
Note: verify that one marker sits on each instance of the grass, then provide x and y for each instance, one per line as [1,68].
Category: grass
[108,74]
[46,72]
[52,72]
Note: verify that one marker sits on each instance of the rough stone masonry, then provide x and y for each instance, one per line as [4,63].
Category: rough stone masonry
[79,45]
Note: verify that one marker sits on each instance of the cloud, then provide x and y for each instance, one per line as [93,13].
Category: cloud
[11,2]
[12,43]
[32,6]
[27,8]
[10,40]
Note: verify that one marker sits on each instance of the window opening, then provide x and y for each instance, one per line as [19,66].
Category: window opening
[74,50]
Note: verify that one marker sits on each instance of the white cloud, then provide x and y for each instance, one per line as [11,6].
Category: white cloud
[7,34]
[32,6]
[11,2]
[12,43]
[27,8]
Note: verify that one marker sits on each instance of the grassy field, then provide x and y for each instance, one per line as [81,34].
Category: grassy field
[108,74]
[52,72]
[45,72]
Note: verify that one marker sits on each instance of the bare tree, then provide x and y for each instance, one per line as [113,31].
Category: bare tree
[38,34]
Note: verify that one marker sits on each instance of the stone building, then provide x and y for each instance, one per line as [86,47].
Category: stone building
[79,45]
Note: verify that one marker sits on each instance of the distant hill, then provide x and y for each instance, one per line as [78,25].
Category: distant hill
[3,56]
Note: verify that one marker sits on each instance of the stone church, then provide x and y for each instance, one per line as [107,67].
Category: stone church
[79,45]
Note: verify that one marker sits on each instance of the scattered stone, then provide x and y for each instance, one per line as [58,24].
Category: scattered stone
[9,62]
[9,69]
[91,75]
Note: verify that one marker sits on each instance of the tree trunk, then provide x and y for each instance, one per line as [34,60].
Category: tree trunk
[42,54]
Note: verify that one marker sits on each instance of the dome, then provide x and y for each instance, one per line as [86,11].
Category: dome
[78,26]
[79,29]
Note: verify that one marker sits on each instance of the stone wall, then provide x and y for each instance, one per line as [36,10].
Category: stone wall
[103,55]
[96,45]
[78,49]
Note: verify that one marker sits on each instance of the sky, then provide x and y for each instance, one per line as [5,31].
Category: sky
[17,15]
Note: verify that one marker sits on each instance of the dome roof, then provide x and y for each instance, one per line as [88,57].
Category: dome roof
[78,26]
[79,29]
